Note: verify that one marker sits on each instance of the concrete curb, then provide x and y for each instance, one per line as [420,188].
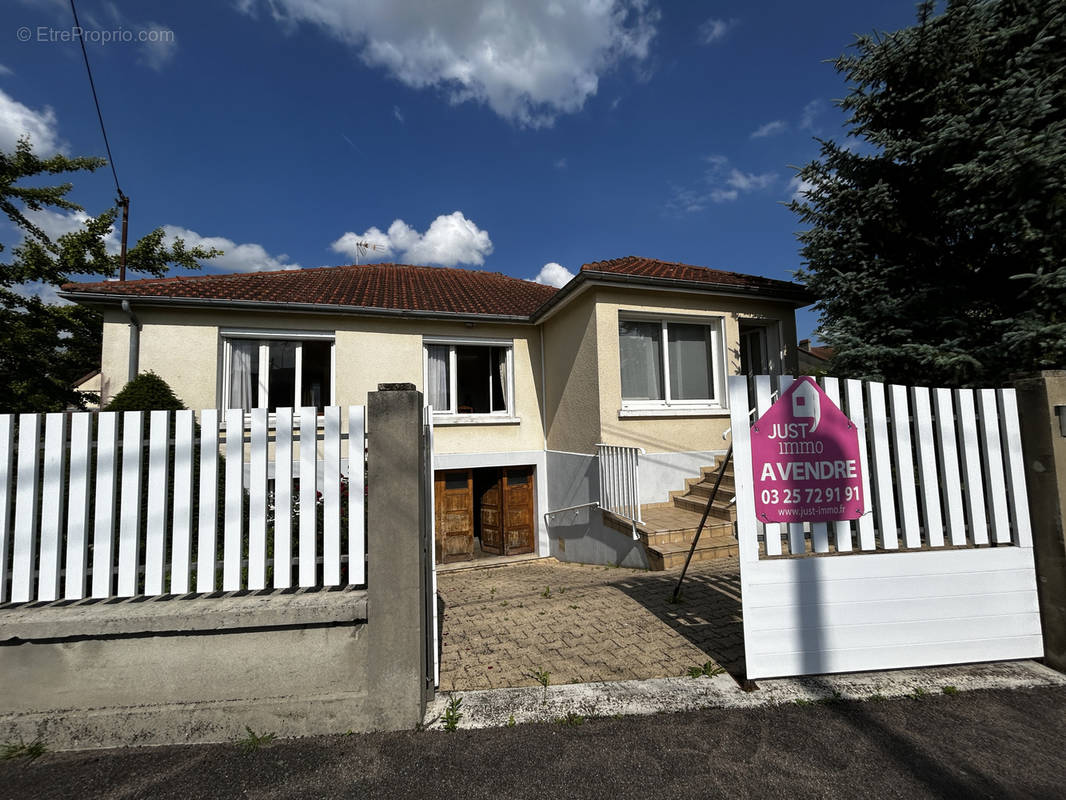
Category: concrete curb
[501,707]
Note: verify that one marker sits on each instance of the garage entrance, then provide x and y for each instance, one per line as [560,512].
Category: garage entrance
[484,512]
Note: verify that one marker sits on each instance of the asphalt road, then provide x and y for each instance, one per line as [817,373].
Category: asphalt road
[998,743]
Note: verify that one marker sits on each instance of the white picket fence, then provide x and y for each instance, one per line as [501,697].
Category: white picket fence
[938,570]
[619,480]
[96,508]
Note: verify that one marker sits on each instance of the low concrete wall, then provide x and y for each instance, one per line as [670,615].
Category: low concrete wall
[1045,476]
[160,671]
[580,535]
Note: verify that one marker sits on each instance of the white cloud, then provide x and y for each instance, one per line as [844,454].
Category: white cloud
[17,120]
[5,70]
[157,43]
[398,114]
[714,30]
[160,47]
[247,257]
[810,113]
[57,223]
[722,183]
[47,293]
[528,62]
[450,239]
[769,129]
[799,189]
[553,274]
[748,182]
[560,163]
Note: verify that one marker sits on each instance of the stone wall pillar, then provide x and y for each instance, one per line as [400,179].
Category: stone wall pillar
[1044,448]
[396,574]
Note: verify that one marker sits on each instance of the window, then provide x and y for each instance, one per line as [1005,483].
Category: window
[668,362]
[464,377]
[279,371]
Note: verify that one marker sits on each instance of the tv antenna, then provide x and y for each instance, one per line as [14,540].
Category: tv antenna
[362,248]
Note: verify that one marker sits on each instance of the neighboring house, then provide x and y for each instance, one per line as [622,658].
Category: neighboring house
[524,379]
[89,383]
[813,360]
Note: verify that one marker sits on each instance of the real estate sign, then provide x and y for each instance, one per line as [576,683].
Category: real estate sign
[805,459]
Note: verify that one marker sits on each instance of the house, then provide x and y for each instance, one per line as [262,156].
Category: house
[525,380]
[813,359]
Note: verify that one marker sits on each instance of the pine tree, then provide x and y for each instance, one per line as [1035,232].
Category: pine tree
[938,243]
[44,348]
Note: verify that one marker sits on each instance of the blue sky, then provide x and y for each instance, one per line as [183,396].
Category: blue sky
[499,136]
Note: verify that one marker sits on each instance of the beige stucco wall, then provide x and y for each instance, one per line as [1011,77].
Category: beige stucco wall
[572,377]
[581,345]
[183,347]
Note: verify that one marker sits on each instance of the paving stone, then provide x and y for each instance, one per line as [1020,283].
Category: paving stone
[623,627]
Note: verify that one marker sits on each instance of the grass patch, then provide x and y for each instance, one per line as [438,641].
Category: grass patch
[708,670]
[31,752]
[452,713]
[255,741]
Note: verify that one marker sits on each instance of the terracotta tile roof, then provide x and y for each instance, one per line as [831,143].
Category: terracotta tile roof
[653,268]
[382,286]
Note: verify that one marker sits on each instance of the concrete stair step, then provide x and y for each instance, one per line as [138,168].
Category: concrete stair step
[669,556]
[722,508]
[705,487]
[713,529]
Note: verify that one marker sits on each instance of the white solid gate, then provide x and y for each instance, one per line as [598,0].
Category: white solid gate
[939,569]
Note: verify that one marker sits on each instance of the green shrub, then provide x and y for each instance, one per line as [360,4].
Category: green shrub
[146,392]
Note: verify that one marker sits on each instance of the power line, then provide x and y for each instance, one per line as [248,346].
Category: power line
[99,115]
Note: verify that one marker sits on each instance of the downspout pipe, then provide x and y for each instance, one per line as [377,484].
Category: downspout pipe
[135,340]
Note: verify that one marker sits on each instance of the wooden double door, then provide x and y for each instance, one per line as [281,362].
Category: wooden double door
[492,505]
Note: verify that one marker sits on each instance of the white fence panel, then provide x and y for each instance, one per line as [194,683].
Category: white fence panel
[308,496]
[129,539]
[54,491]
[283,499]
[927,475]
[889,606]
[158,485]
[181,528]
[331,497]
[356,497]
[207,520]
[152,491]
[104,517]
[81,448]
[257,502]
[7,452]
[841,529]
[22,557]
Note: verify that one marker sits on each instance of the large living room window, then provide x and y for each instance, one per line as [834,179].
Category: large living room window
[277,370]
[465,377]
[670,363]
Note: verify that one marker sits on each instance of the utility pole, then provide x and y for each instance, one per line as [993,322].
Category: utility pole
[125,203]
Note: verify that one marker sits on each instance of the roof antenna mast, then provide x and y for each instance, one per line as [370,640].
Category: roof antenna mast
[362,248]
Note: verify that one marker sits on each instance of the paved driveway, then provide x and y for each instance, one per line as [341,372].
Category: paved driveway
[583,623]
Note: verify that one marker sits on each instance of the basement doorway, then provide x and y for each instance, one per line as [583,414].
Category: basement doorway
[484,513]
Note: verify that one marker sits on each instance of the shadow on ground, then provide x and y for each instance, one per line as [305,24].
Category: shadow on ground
[707,614]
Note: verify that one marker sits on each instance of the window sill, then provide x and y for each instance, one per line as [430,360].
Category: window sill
[673,411]
[474,419]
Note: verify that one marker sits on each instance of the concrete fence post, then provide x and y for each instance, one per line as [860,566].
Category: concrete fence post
[396,584]
[1044,447]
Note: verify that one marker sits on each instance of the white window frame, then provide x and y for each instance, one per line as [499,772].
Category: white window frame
[668,406]
[451,415]
[265,337]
